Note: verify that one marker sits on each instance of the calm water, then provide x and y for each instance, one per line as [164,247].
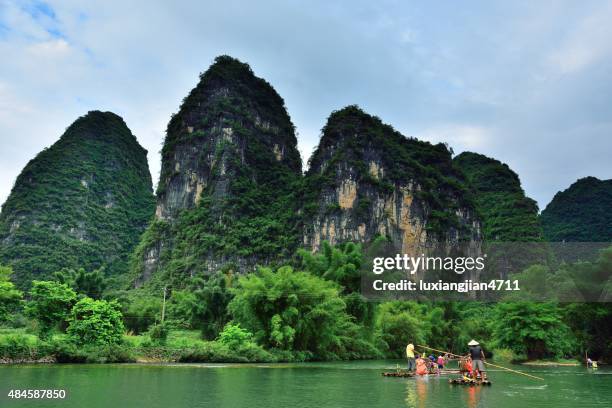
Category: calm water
[352,384]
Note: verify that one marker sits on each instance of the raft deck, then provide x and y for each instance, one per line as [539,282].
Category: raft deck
[406,373]
[398,374]
[463,381]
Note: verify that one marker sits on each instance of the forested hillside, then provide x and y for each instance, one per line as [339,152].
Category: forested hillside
[581,213]
[81,203]
[507,214]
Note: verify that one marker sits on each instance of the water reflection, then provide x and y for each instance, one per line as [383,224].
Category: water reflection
[473,396]
[417,392]
[411,396]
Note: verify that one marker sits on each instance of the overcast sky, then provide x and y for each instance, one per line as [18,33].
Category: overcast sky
[529,83]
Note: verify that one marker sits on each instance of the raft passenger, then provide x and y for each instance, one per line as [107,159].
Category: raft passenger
[477,355]
[410,357]
[440,362]
[421,365]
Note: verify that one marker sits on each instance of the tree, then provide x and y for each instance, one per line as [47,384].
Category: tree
[590,322]
[204,304]
[339,264]
[532,329]
[50,304]
[234,336]
[90,284]
[140,311]
[342,264]
[293,310]
[96,322]
[10,298]
[399,323]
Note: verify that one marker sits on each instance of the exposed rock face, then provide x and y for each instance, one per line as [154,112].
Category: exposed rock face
[367,180]
[83,202]
[229,171]
[581,213]
[507,214]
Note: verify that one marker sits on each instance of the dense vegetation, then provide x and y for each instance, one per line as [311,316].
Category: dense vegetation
[81,203]
[293,313]
[507,214]
[580,213]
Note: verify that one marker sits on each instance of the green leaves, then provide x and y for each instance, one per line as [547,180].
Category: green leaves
[235,337]
[91,284]
[294,311]
[95,322]
[50,304]
[534,330]
[10,298]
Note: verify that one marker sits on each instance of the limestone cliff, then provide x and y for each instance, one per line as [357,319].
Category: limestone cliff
[230,168]
[81,203]
[367,180]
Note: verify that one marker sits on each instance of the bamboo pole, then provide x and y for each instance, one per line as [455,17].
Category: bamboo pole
[487,363]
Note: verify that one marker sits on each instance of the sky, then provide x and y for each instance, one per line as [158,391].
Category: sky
[529,83]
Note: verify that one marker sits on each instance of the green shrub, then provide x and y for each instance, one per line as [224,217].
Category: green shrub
[10,298]
[254,353]
[65,351]
[159,333]
[504,355]
[19,347]
[140,312]
[234,337]
[110,354]
[96,322]
[210,352]
[50,304]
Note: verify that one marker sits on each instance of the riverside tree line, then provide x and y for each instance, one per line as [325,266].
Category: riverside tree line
[310,309]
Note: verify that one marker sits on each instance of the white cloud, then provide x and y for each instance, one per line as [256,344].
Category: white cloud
[460,137]
[481,76]
[51,49]
[587,42]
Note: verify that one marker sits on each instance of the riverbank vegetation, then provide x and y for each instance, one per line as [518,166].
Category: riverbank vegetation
[309,310]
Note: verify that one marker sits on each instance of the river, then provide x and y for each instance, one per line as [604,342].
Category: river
[338,384]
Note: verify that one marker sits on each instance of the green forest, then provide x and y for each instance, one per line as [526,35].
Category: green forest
[311,309]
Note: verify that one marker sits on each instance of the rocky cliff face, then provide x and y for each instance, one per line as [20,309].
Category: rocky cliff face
[230,169]
[367,180]
[581,213]
[83,202]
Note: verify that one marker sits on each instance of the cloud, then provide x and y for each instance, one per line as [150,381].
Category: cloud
[461,137]
[586,43]
[48,50]
[523,82]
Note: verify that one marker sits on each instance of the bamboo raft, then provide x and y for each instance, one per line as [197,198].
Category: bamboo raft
[471,382]
[406,373]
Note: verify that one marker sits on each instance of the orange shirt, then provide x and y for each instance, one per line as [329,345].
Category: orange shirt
[421,367]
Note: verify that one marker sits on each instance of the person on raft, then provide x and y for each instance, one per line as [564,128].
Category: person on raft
[477,355]
[421,365]
[410,357]
[440,362]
